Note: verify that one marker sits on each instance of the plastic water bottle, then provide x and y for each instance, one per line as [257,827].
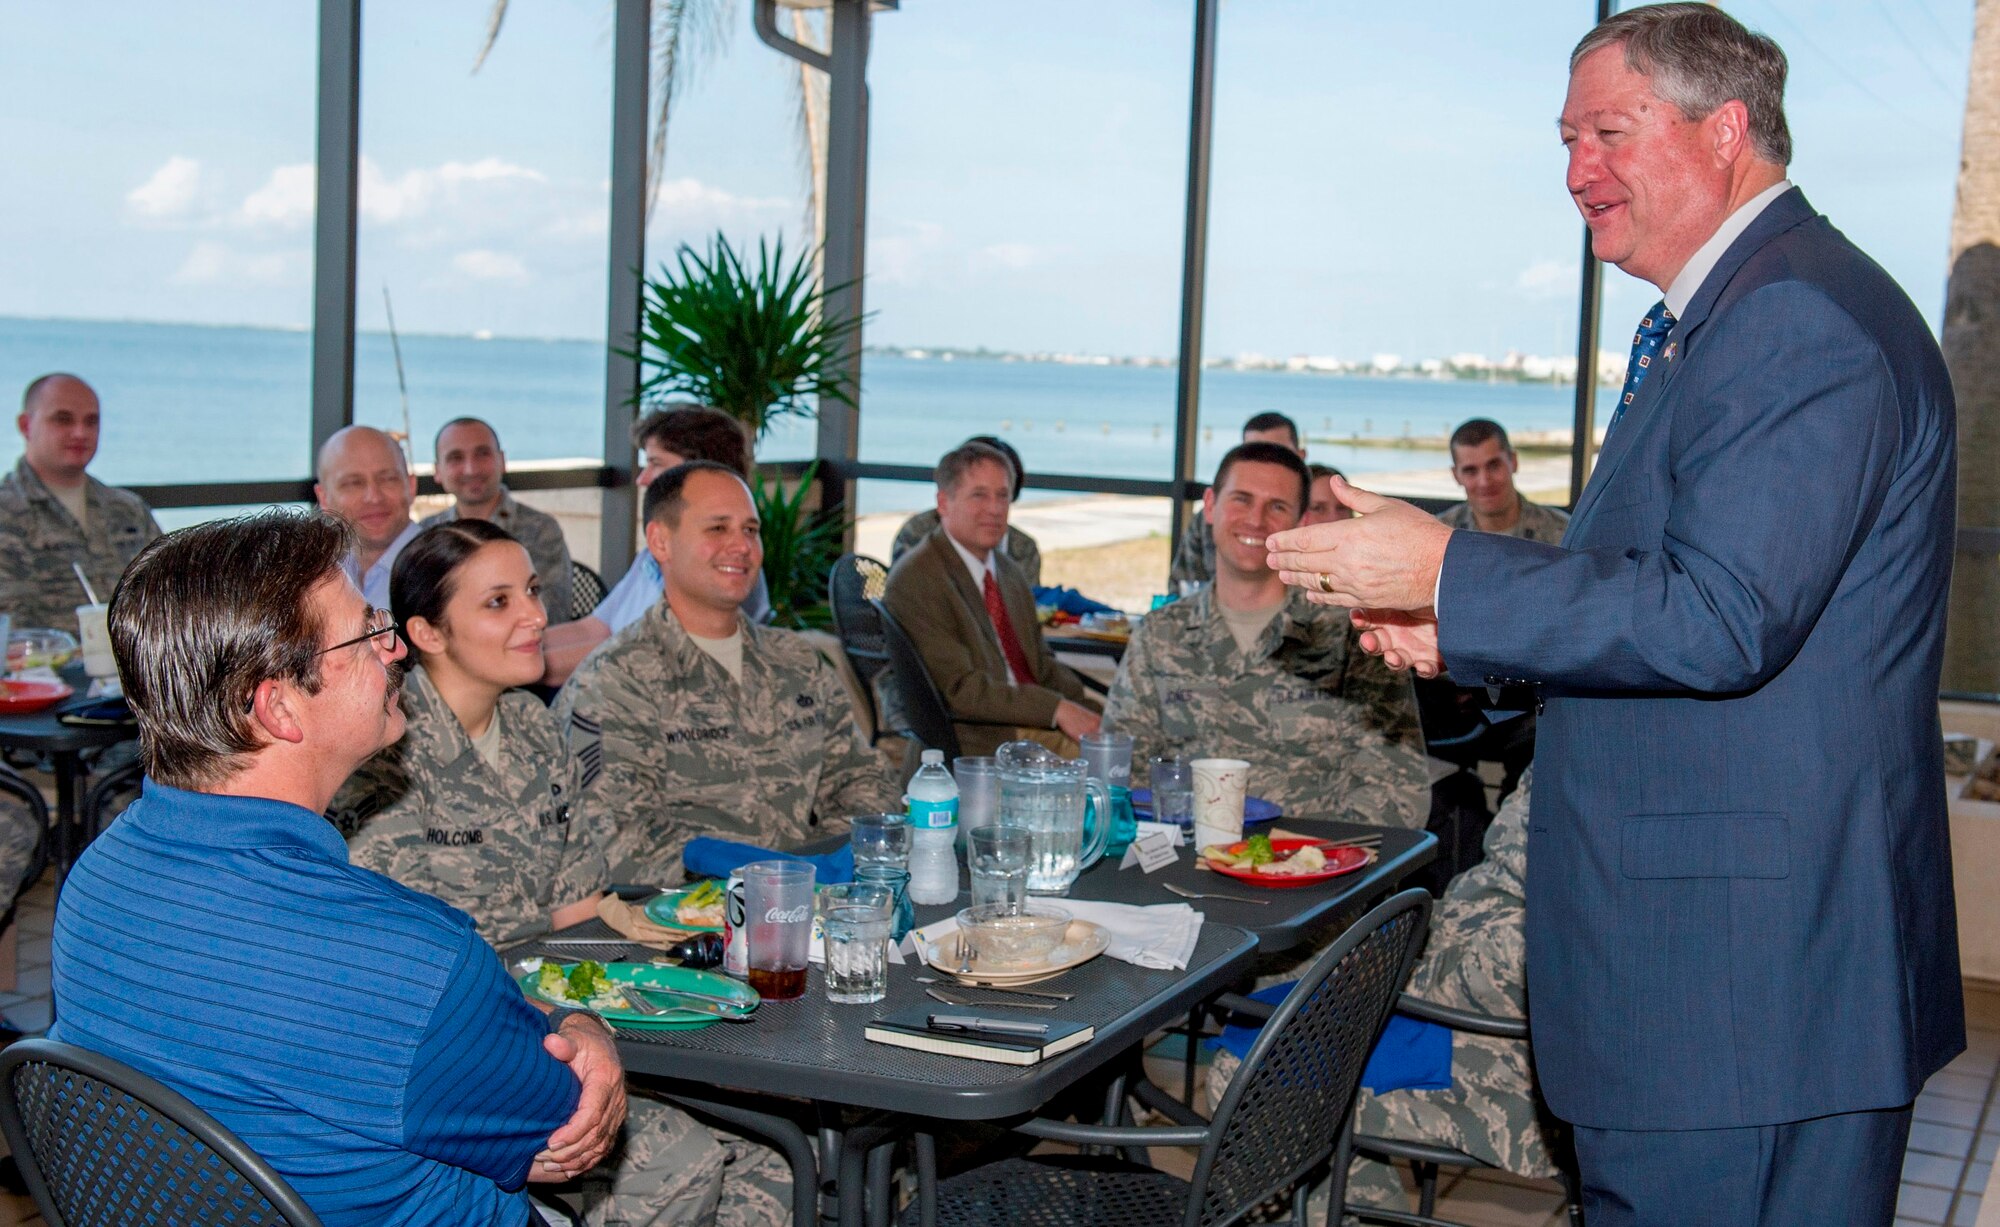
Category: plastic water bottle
[933,828]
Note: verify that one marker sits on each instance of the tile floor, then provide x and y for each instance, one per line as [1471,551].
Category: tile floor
[1952,1142]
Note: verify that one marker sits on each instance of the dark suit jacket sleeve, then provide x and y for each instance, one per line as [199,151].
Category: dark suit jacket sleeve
[920,596]
[1783,446]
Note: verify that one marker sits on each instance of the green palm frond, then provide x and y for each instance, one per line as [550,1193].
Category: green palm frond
[799,545]
[751,339]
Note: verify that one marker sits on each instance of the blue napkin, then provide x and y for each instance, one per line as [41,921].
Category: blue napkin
[1070,601]
[1412,1055]
[716,858]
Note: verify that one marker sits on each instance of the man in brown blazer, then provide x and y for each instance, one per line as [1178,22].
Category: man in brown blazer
[968,609]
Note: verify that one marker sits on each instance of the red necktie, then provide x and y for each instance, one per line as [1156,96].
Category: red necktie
[1010,643]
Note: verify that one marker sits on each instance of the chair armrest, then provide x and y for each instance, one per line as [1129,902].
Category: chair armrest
[632,892]
[1113,1135]
[1237,1003]
[1472,1022]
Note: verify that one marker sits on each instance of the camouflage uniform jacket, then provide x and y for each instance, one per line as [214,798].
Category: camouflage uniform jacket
[1328,730]
[501,846]
[1018,545]
[542,535]
[1537,523]
[671,747]
[1194,561]
[39,539]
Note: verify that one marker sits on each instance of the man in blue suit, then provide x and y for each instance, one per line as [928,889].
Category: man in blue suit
[1743,961]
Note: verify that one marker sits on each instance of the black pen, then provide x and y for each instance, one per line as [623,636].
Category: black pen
[972,1024]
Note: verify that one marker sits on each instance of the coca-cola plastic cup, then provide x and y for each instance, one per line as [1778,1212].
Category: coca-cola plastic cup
[778,902]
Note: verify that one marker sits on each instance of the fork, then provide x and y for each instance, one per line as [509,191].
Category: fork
[951,998]
[1185,893]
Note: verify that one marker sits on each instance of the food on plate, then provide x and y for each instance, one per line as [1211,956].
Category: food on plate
[585,984]
[1258,856]
[701,906]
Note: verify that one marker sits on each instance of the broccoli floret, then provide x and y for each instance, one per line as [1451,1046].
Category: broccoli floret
[550,982]
[1259,850]
[587,980]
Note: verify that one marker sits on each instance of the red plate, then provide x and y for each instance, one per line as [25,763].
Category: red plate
[25,698]
[1338,861]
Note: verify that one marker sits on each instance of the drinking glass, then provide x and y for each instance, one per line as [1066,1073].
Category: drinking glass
[978,792]
[881,839]
[1219,785]
[7,633]
[858,917]
[895,880]
[998,856]
[778,904]
[1173,790]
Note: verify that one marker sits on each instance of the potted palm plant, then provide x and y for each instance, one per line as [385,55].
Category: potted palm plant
[751,338]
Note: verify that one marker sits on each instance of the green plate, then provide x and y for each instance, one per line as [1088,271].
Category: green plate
[656,976]
[660,910]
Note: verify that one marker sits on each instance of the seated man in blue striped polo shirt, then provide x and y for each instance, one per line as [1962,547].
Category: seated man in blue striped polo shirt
[357,1034]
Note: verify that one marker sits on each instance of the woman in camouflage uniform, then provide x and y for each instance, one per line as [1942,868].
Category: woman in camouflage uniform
[472,806]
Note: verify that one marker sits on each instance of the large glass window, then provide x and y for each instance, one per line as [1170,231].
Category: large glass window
[1024,231]
[1391,249]
[158,221]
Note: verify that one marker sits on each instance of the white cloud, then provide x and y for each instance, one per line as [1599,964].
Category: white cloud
[901,255]
[285,200]
[414,192]
[169,192]
[213,263]
[1014,257]
[1548,279]
[483,265]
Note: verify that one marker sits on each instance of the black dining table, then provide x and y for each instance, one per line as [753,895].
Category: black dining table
[44,733]
[808,1058]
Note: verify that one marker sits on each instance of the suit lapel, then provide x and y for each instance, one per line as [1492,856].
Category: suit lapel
[1784,213]
[955,576]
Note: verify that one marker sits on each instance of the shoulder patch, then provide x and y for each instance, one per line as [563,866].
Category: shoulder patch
[586,746]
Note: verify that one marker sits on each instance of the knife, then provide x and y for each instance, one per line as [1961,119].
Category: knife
[693,1003]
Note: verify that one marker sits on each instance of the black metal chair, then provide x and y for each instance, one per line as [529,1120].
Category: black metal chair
[102,1145]
[1283,1120]
[108,796]
[923,708]
[853,584]
[35,812]
[1426,1159]
[586,591]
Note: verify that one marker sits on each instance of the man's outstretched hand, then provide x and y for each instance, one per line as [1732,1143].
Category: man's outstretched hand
[1403,639]
[585,1045]
[1386,557]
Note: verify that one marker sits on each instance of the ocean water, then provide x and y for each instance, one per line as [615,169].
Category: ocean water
[190,403]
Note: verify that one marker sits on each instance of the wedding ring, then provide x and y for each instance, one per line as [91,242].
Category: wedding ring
[1326,583]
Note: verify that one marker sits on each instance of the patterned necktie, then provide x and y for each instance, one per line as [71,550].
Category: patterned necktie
[1645,347]
[1003,626]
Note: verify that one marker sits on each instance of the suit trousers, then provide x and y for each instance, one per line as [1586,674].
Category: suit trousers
[1843,1169]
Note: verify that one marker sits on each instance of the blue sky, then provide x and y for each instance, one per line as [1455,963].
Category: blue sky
[1387,179]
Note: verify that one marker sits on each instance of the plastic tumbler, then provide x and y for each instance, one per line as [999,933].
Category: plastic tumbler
[998,858]
[93,624]
[978,792]
[778,905]
[1109,756]
[858,917]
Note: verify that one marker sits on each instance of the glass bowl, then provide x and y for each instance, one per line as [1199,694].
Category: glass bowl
[998,935]
[36,647]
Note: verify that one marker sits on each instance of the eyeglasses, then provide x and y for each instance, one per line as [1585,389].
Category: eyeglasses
[390,628]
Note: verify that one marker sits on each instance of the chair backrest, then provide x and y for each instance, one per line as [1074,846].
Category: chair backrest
[26,838]
[922,706]
[109,795]
[100,1144]
[853,584]
[586,591]
[1289,1102]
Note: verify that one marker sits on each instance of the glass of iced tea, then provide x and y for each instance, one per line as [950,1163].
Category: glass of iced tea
[778,911]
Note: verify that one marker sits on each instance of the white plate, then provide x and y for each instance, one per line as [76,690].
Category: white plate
[1082,942]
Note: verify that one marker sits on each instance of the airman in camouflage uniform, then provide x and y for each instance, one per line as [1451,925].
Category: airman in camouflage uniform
[1329,731]
[17,846]
[40,539]
[670,746]
[1536,522]
[1475,959]
[498,845]
[501,846]
[541,535]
